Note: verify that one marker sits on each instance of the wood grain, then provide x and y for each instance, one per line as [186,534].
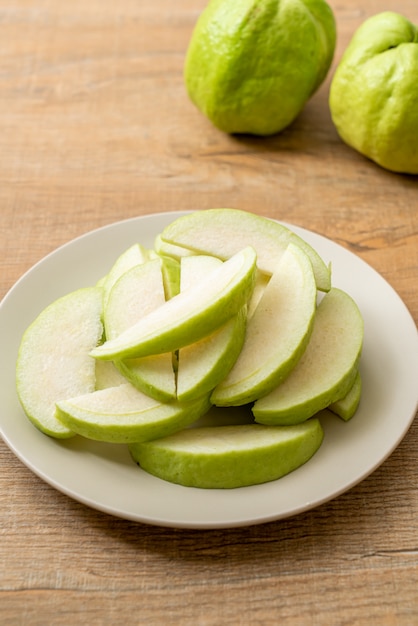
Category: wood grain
[96,127]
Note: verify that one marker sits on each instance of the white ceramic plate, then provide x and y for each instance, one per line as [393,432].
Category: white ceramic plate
[104,477]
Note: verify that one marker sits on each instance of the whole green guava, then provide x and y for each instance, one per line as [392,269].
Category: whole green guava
[251,65]
[374,92]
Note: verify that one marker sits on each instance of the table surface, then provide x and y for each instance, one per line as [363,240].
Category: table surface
[96,127]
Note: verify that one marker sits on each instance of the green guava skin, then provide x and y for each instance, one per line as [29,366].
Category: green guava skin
[251,65]
[374,92]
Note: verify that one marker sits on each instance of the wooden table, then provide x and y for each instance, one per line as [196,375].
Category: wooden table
[96,127]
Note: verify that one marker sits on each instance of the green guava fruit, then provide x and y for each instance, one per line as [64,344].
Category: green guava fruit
[374,92]
[251,65]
